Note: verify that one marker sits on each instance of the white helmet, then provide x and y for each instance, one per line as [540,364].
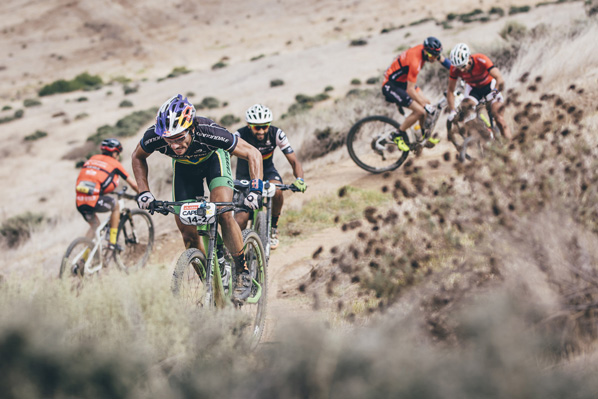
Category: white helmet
[460,55]
[257,114]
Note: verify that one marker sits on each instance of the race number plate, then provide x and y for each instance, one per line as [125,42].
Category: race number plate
[198,213]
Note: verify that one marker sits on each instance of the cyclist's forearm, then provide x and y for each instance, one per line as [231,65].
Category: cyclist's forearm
[140,170]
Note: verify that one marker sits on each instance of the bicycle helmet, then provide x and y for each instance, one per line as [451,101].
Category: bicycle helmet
[433,46]
[460,55]
[111,145]
[175,116]
[257,114]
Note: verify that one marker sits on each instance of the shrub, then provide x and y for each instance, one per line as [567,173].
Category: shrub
[80,82]
[209,103]
[125,103]
[35,136]
[513,30]
[497,10]
[518,10]
[176,71]
[18,114]
[355,81]
[257,57]
[81,116]
[276,82]
[421,21]
[18,229]
[358,42]
[328,88]
[30,102]
[81,99]
[6,108]
[130,89]
[219,65]
[125,127]
[229,119]
[190,94]
[373,80]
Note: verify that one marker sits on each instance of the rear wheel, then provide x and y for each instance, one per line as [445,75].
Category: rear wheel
[255,306]
[188,279]
[135,239]
[75,257]
[371,146]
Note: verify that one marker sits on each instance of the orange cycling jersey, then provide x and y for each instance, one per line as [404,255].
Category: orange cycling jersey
[407,66]
[479,76]
[99,175]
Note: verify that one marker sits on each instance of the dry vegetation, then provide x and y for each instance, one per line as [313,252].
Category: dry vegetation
[483,284]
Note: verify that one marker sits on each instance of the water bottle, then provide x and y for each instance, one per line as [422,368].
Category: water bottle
[442,103]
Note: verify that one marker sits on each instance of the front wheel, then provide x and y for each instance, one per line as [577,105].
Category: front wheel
[255,306]
[371,144]
[261,228]
[75,257]
[135,239]
[189,278]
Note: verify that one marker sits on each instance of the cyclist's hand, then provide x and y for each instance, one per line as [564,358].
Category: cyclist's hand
[430,109]
[451,115]
[252,201]
[491,96]
[300,184]
[144,199]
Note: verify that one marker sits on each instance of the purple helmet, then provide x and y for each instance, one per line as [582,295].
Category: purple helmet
[175,116]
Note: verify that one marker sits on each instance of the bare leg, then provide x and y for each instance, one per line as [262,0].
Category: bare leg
[242,218]
[418,113]
[231,232]
[498,110]
[277,202]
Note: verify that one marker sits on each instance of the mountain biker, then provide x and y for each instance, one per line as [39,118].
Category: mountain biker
[262,135]
[400,87]
[482,80]
[98,177]
[200,150]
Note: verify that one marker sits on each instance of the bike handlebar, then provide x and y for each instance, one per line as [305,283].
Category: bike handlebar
[166,207]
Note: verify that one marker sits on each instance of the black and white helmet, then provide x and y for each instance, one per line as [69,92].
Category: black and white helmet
[460,55]
[258,114]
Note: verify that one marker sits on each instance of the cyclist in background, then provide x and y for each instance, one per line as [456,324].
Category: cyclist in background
[262,135]
[98,177]
[482,80]
[200,150]
[400,85]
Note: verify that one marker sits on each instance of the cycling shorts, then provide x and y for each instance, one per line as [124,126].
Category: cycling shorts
[270,173]
[396,92]
[188,179]
[105,204]
[475,94]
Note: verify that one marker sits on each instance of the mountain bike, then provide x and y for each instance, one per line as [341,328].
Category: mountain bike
[472,129]
[371,140]
[207,280]
[134,243]
[261,218]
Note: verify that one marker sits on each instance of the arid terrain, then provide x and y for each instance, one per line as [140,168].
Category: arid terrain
[307,45]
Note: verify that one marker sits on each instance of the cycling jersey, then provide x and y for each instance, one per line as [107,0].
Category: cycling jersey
[273,138]
[407,66]
[479,76]
[98,176]
[207,137]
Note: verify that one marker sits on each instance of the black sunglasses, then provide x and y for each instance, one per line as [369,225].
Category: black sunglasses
[261,127]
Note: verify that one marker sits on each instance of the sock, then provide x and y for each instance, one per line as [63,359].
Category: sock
[113,235]
[240,261]
[275,222]
[86,253]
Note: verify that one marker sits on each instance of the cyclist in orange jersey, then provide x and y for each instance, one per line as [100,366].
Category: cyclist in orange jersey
[98,177]
[482,80]
[400,87]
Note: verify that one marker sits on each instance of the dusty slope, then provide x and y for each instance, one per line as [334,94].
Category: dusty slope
[307,68]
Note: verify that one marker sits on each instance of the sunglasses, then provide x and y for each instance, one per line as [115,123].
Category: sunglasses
[430,55]
[261,127]
[178,139]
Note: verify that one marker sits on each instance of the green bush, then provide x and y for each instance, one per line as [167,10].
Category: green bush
[355,81]
[18,229]
[176,71]
[82,115]
[30,102]
[81,99]
[358,42]
[229,119]
[125,104]
[130,89]
[18,114]
[209,103]
[219,65]
[328,88]
[35,136]
[257,57]
[497,10]
[190,94]
[6,108]
[518,10]
[125,127]
[80,82]
[276,82]
[373,80]
[421,21]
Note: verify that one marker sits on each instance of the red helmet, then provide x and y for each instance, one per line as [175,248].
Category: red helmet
[111,145]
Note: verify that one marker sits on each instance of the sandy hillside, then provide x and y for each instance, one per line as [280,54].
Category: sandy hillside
[306,47]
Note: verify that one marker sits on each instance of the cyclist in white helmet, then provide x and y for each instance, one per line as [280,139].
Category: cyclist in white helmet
[262,135]
[482,80]
[200,150]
